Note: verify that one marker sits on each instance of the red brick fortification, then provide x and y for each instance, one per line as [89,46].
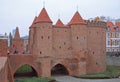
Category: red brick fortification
[78,47]
[81,41]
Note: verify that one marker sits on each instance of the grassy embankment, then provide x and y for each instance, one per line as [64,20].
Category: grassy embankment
[35,79]
[111,72]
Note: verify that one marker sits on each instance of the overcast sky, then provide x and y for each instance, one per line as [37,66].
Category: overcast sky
[21,13]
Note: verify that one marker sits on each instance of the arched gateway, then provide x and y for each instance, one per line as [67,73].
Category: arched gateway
[59,69]
[25,71]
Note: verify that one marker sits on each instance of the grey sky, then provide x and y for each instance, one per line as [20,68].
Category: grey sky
[21,13]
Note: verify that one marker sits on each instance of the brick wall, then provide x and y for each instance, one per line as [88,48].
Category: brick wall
[3,48]
[3,69]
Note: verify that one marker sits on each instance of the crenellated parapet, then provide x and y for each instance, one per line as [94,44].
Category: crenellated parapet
[95,23]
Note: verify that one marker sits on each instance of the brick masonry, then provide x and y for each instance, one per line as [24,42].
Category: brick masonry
[79,46]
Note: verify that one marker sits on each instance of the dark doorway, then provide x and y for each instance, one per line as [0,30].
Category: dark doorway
[25,71]
[59,70]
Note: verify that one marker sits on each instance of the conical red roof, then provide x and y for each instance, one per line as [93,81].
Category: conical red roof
[43,16]
[17,35]
[76,19]
[59,23]
[34,21]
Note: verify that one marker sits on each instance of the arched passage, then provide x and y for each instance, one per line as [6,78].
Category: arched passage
[59,69]
[25,71]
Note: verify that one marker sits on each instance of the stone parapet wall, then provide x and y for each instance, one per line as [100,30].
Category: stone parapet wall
[95,23]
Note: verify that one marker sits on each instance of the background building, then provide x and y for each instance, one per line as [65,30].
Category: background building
[113,37]
[25,44]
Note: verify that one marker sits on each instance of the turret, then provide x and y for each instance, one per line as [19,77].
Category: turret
[42,39]
[17,43]
[78,40]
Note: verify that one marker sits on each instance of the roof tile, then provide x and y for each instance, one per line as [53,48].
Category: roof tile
[34,21]
[111,25]
[43,17]
[59,23]
[76,19]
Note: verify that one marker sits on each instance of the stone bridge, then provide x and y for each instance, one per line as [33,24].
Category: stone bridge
[42,65]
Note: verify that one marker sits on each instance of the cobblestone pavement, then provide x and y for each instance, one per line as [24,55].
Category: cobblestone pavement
[72,79]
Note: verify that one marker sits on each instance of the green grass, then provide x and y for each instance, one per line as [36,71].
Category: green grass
[111,71]
[34,79]
[24,69]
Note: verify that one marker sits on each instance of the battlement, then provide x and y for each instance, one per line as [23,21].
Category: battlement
[95,23]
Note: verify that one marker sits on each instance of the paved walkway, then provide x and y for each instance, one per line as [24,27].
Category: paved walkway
[72,79]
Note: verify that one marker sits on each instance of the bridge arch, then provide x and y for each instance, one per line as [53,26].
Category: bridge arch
[22,64]
[59,69]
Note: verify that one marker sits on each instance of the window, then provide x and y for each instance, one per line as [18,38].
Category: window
[64,43]
[97,32]
[60,47]
[109,42]
[48,37]
[84,37]
[110,35]
[89,32]
[40,52]
[41,37]
[96,63]
[77,37]
[113,50]
[115,35]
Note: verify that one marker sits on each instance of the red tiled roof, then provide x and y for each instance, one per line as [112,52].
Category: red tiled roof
[118,24]
[111,25]
[43,16]
[76,19]
[59,23]
[34,21]
[17,35]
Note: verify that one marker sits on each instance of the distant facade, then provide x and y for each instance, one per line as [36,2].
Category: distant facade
[25,44]
[113,37]
[4,36]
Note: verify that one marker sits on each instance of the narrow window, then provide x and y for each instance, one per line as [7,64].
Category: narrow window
[96,63]
[64,43]
[48,37]
[89,32]
[60,47]
[41,37]
[84,38]
[40,52]
[97,32]
[77,37]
